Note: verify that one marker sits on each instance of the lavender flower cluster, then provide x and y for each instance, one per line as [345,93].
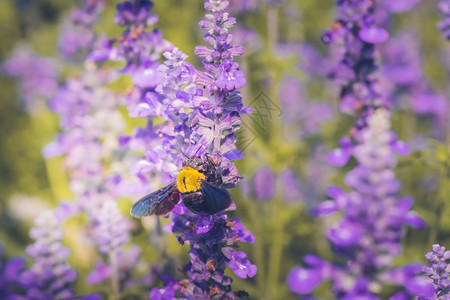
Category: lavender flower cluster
[438,272]
[210,127]
[195,110]
[369,233]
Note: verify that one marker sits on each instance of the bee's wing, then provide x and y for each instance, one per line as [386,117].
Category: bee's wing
[216,199]
[157,203]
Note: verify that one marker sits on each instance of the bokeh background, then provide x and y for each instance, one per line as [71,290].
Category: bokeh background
[285,144]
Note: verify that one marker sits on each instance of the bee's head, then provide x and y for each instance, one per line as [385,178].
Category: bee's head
[195,163]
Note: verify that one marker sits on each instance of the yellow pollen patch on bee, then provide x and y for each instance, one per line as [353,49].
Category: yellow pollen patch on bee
[189,180]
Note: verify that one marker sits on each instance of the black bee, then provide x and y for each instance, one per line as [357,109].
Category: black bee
[198,185]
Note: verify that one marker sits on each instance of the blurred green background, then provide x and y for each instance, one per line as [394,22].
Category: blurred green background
[284,231]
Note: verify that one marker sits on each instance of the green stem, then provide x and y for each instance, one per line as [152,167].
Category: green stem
[277,244]
[258,248]
[272,27]
[439,210]
[447,138]
[245,89]
[217,133]
[276,247]
[275,255]
[57,177]
[114,275]
[161,241]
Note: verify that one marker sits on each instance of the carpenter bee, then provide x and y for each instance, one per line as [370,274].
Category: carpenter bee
[198,185]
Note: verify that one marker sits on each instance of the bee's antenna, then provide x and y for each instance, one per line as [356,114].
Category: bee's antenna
[181,151]
[195,154]
[184,153]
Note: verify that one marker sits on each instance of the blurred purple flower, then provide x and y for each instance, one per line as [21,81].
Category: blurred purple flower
[37,77]
[373,35]
[101,272]
[444,25]
[240,6]
[403,68]
[10,272]
[135,13]
[406,85]
[352,40]
[292,186]
[429,103]
[141,47]
[91,123]
[50,277]
[399,6]
[308,115]
[112,229]
[264,184]
[78,38]
[247,38]
[402,60]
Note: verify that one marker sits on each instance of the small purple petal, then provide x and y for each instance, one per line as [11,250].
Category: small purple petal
[373,35]
[338,157]
[401,148]
[421,287]
[414,220]
[234,155]
[204,224]
[239,263]
[101,273]
[13,268]
[325,208]
[345,235]
[303,281]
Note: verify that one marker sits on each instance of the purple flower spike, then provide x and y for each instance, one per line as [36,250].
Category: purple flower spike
[37,77]
[78,37]
[437,286]
[50,277]
[353,39]
[135,13]
[201,112]
[292,186]
[444,25]
[368,222]
[372,222]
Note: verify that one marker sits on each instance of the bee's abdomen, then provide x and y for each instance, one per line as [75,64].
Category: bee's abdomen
[189,180]
[195,202]
[209,200]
